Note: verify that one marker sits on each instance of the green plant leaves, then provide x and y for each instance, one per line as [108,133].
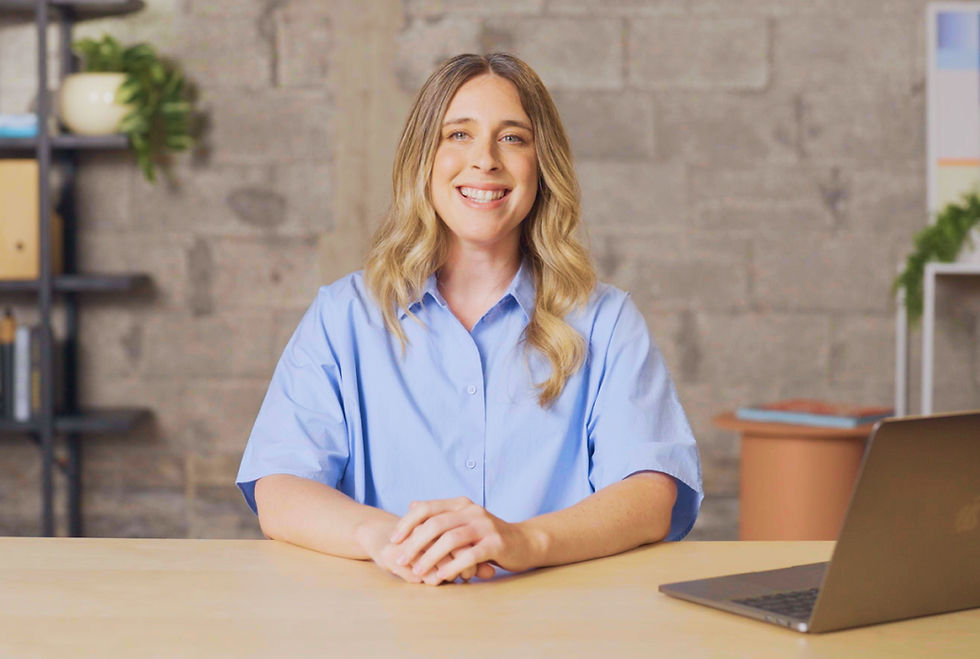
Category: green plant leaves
[154,87]
[940,241]
[131,91]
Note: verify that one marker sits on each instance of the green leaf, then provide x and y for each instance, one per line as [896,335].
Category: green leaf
[157,73]
[134,123]
[129,92]
[179,142]
[175,107]
[139,51]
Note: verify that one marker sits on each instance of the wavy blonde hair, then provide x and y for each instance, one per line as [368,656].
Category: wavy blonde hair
[412,242]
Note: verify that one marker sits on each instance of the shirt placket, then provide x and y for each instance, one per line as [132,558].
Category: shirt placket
[474,426]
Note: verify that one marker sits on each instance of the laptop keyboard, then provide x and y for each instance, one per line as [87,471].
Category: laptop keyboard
[794,604]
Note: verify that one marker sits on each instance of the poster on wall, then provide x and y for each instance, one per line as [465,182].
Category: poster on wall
[953,104]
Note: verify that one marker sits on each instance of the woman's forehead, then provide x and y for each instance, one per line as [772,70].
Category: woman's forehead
[488,98]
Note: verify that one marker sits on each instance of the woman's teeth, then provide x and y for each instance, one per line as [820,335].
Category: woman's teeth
[482,195]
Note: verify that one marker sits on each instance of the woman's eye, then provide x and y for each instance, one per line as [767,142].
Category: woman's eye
[452,136]
[516,139]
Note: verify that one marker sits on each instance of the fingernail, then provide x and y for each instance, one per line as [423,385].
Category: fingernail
[417,569]
[402,559]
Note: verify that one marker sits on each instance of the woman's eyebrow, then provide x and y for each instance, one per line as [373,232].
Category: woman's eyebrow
[505,122]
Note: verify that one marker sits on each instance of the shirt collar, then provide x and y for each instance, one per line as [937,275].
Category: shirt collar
[521,289]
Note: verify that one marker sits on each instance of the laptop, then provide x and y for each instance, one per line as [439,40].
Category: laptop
[909,545]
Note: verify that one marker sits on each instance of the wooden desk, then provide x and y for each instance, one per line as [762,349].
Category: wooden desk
[62,597]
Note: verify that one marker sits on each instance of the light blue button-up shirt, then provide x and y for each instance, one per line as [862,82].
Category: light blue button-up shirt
[458,414]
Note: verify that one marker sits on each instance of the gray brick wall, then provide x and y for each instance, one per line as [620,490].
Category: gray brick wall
[752,172]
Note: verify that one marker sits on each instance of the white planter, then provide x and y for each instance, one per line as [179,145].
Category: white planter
[87,105]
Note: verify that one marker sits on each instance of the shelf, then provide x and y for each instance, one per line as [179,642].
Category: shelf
[958,268]
[67,142]
[54,140]
[87,283]
[83,8]
[111,420]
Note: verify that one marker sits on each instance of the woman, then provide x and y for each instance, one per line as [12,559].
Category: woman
[474,398]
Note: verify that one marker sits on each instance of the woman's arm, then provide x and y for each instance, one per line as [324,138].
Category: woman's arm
[313,515]
[627,514]
[632,512]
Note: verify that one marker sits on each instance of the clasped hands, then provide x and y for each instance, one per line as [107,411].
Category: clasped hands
[445,539]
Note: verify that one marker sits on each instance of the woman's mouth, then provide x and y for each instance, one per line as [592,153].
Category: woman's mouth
[477,198]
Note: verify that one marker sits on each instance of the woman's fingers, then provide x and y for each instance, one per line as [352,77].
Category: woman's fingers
[485,571]
[426,544]
[469,572]
[444,562]
[471,556]
[420,511]
[425,535]
[387,559]
[457,538]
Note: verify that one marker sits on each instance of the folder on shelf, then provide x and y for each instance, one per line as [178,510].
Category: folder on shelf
[20,219]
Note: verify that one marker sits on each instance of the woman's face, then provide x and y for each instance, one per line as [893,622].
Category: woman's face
[485,175]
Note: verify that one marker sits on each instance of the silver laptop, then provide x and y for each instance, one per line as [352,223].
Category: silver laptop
[909,545]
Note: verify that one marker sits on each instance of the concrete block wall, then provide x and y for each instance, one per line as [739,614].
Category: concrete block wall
[752,172]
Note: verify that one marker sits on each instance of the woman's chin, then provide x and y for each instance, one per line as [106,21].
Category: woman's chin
[483,239]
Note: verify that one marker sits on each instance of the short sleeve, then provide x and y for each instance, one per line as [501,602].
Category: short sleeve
[637,423]
[300,428]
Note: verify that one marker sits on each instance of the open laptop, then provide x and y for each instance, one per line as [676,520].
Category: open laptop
[909,545]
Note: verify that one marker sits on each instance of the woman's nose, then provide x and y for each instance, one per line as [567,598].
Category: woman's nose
[484,155]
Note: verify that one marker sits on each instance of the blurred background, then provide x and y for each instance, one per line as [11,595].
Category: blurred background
[753,172]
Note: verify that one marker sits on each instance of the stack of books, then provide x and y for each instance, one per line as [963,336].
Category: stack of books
[20,370]
[811,412]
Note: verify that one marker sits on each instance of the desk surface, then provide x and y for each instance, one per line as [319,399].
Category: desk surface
[188,598]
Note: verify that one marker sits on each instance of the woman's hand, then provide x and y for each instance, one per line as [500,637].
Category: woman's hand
[446,538]
[374,538]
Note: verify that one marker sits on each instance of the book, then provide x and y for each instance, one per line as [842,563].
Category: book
[18,125]
[8,329]
[27,374]
[812,412]
[22,374]
[35,370]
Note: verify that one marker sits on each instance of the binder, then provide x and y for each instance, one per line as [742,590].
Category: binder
[20,219]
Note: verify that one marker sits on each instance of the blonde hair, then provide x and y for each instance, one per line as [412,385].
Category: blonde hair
[411,243]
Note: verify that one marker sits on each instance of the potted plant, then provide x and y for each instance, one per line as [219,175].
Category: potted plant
[956,225]
[130,90]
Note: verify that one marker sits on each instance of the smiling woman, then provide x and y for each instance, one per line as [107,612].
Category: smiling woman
[474,399]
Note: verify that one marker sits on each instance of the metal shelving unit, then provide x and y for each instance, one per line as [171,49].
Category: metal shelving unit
[73,422]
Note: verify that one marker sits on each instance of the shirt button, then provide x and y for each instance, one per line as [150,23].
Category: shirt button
[470,464]
[471,389]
